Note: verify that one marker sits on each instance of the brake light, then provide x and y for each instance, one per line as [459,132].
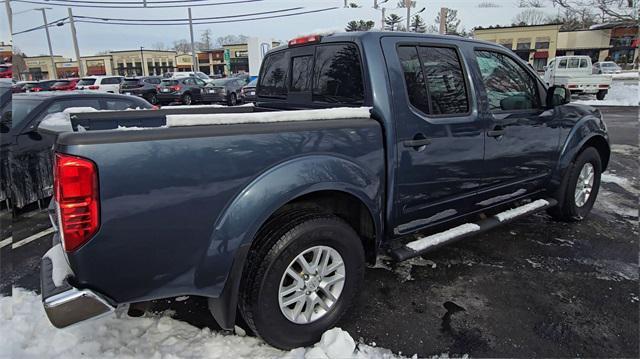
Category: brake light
[175,88]
[304,40]
[76,194]
[155,107]
[571,86]
[603,86]
[93,87]
[36,89]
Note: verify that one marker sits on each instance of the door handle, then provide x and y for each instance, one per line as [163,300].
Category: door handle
[496,132]
[416,142]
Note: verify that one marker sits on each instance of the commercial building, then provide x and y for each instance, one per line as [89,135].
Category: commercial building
[40,67]
[130,62]
[6,52]
[238,57]
[537,44]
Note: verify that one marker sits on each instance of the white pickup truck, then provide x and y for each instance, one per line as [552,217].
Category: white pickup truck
[575,73]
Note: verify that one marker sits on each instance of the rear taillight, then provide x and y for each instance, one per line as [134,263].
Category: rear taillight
[175,88]
[93,87]
[76,194]
[603,86]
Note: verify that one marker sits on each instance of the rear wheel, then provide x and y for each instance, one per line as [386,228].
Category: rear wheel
[301,277]
[152,98]
[601,95]
[233,100]
[582,185]
[186,99]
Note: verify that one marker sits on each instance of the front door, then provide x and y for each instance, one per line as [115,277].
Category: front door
[521,138]
[440,138]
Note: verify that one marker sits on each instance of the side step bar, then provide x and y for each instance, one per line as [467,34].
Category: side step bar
[425,244]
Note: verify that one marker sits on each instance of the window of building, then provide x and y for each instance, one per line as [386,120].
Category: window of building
[508,43]
[523,44]
[337,74]
[434,79]
[301,73]
[509,87]
[274,76]
[542,43]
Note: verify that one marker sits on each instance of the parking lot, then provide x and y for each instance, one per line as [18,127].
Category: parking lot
[532,288]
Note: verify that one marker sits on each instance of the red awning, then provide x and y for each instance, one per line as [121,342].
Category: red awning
[541,55]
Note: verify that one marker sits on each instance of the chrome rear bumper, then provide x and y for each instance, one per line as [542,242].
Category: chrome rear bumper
[64,304]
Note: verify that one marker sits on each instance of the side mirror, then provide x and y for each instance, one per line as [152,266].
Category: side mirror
[558,95]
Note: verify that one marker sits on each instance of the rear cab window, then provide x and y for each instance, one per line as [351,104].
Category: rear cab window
[326,73]
[86,82]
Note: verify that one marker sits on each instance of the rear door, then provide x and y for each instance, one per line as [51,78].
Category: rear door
[440,138]
[521,138]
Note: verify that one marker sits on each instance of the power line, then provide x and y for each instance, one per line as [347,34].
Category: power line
[143,3]
[52,23]
[51,3]
[208,22]
[195,19]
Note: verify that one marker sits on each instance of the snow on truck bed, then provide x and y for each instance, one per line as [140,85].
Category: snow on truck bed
[61,121]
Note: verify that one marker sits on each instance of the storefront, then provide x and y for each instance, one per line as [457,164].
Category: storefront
[66,70]
[534,44]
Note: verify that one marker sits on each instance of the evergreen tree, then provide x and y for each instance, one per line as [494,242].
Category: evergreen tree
[392,22]
[417,24]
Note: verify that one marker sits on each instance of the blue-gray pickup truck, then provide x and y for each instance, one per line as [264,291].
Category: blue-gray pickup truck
[360,144]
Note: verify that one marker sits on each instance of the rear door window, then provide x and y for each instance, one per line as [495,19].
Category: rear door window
[301,67]
[273,80]
[445,81]
[414,77]
[337,75]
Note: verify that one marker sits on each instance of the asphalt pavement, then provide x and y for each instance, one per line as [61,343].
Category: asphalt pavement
[534,288]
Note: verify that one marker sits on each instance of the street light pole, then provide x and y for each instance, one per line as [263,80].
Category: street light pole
[74,37]
[407,4]
[194,59]
[46,29]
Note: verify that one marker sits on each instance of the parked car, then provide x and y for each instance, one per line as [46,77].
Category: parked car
[606,67]
[248,92]
[108,84]
[64,85]
[575,73]
[21,86]
[225,91]
[244,78]
[273,210]
[184,90]
[5,71]
[29,152]
[40,86]
[5,118]
[200,75]
[145,87]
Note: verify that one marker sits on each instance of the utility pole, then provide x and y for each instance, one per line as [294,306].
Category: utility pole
[46,29]
[383,18]
[194,58]
[142,60]
[443,20]
[407,4]
[10,18]
[74,37]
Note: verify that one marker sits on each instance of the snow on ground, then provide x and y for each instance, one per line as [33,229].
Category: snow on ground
[27,333]
[620,94]
[631,75]
[625,183]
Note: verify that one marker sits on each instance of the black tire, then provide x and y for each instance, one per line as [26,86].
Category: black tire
[567,210]
[186,99]
[280,241]
[152,98]
[233,100]
[601,95]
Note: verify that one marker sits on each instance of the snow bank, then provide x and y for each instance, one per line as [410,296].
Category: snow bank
[267,117]
[631,75]
[441,237]
[619,95]
[27,333]
[518,211]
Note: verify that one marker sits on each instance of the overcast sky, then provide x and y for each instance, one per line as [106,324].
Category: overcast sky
[97,37]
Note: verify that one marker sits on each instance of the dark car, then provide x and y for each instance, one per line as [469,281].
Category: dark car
[64,85]
[184,90]
[225,91]
[244,78]
[21,86]
[145,87]
[40,86]
[30,152]
[362,144]
[248,93]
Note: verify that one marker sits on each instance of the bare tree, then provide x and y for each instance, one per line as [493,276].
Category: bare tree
[18,63]
[530,17]
[231,39]
[575,20]
[531,3]
[488,4]
[611,10]
[158,46]
[182,46]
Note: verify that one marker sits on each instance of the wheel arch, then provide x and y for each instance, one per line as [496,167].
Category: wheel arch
[298,182]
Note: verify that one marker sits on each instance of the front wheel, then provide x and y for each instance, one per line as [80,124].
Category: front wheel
[152,99]
[300,278]
[581,188]
[186,99]
[601,94]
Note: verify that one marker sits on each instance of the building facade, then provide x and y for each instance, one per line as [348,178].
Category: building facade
[6,53]
[40,67]
[238,58]
[142,62]
[535,44]
[592,43]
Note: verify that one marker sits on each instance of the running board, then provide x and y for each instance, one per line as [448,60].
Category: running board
[431,242]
